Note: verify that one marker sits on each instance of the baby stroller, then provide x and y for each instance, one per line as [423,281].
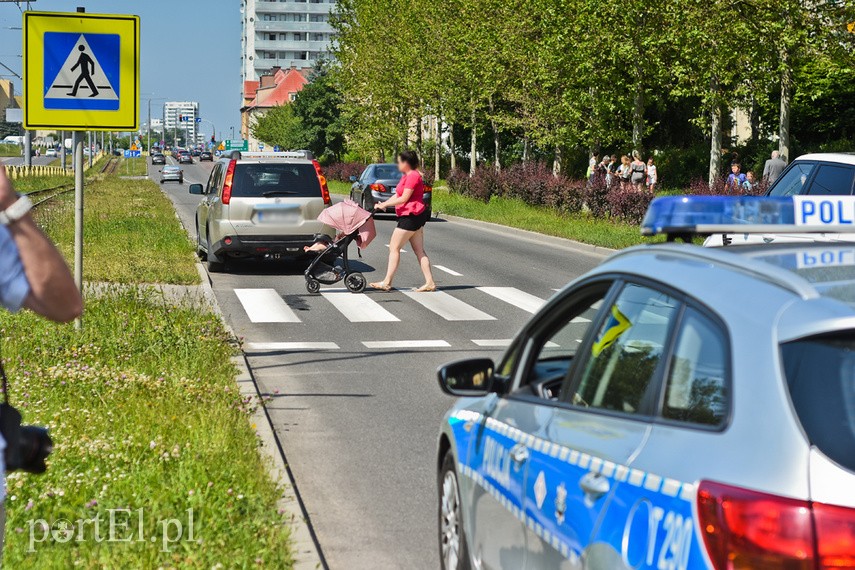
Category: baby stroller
[331,264]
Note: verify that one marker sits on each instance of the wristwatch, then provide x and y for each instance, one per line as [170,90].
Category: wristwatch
[16,211]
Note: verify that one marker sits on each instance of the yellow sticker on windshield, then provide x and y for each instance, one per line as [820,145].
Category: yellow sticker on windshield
[615,326]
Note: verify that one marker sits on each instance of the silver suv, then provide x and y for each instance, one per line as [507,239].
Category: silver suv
[260,205]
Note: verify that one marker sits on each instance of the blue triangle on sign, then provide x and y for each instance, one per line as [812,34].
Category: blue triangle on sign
[82,71]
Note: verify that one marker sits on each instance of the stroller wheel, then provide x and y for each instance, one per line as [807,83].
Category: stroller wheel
[355,282]
[313,286]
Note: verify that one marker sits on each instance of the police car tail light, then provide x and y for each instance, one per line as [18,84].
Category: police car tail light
[227,185]
[748,529]
[835,536]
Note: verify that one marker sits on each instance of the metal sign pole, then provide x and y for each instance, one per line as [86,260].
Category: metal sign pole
[28,148]
[77,146]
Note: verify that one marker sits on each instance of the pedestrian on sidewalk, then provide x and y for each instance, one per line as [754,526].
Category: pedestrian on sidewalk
[639,171]
[412,216]
[773,167]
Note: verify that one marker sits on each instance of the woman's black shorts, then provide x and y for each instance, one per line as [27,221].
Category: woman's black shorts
[413,222]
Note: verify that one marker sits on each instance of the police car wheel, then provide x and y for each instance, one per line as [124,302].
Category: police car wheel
[454,553]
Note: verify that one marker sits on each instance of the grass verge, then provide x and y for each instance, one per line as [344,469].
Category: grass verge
[131,233]
[517,214]
[133,167]
[149,428]
[337,187]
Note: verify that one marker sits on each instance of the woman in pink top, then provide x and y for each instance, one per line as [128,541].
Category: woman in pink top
[412,216]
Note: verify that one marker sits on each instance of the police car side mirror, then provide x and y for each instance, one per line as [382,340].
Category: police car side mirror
[464,378]
[197,189]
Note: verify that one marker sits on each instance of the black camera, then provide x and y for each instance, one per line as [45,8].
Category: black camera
[27,447]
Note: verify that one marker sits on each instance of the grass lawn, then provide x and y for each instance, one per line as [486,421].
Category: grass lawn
[147,421]
[337,187]
[34,183]
[133,167]
[131,234]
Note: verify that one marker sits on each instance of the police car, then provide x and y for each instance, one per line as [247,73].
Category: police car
[676,408]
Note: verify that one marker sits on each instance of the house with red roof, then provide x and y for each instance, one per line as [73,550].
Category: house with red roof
[278,88]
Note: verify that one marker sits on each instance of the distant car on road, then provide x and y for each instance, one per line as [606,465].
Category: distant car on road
[184,157]
[195,152]
[158,158]
[677,407]
[260,205]
[377,183]
[206,155]
[171,174]
[51,152]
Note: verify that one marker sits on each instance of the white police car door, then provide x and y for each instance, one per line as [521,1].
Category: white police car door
[654,525]
[586,461]
[506,438]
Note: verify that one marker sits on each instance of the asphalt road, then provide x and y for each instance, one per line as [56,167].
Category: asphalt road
[19,160]
[359,422]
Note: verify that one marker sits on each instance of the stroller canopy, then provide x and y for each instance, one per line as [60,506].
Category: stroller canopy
[347,217]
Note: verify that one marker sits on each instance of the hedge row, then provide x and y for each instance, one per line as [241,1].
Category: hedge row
[534,184]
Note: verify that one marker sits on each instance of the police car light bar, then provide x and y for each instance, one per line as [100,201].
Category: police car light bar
[687,215]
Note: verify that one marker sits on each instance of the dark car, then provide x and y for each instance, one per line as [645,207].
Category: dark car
[184,157]
[206,155]
[377,183]
[195,152]
[158,158]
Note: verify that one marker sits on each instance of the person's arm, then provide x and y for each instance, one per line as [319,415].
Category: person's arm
[766,169]
[397,200]
[53,293]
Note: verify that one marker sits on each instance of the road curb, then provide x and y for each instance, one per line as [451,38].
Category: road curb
[304,543]
[532,236]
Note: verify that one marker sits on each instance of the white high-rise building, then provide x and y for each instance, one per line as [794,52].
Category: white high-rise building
[284,34]
[179,118]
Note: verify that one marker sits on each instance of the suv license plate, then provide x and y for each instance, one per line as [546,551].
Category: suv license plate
[274,217]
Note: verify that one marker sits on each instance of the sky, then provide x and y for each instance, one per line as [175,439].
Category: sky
[190,51]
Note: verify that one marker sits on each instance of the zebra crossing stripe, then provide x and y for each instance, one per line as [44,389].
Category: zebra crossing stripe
[448,307]
[358,308]
[513,296]
[449,271]
[265,306]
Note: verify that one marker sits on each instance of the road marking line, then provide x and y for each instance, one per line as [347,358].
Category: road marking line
[493,343]
[291,346]
[402,251]
[358,308]
[580,320]
[406,344]
[449,271]
[505,342]
[265,306]
[448,307]
[515,297]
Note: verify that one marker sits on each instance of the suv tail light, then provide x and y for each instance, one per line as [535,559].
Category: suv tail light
[325,191]
[377,188]
[227,185]
[749,529]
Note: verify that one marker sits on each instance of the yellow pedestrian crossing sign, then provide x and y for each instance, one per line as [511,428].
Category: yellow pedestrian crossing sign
[81,71]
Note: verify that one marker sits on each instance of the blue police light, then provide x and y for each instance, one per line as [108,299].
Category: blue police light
[687,215]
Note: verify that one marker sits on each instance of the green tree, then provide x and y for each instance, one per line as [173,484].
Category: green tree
[280,126]
[317,109]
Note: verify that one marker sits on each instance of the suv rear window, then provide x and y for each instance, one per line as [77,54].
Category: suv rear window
[276,180]
[820,374]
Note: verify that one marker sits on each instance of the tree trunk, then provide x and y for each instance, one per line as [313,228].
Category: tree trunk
[557,164]
[715,145]
[437,147]
[638,117]
[473,149]
[755,121]
[525,150]
[452,148]
[419,136]
[497,143]
[786,101]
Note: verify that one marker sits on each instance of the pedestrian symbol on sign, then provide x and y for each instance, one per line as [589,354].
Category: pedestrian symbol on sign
[81,71]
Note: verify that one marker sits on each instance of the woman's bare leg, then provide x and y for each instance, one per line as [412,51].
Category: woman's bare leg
[399,238]
[417,242]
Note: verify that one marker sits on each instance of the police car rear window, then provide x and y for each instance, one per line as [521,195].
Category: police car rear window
[275,181]
[820,375]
